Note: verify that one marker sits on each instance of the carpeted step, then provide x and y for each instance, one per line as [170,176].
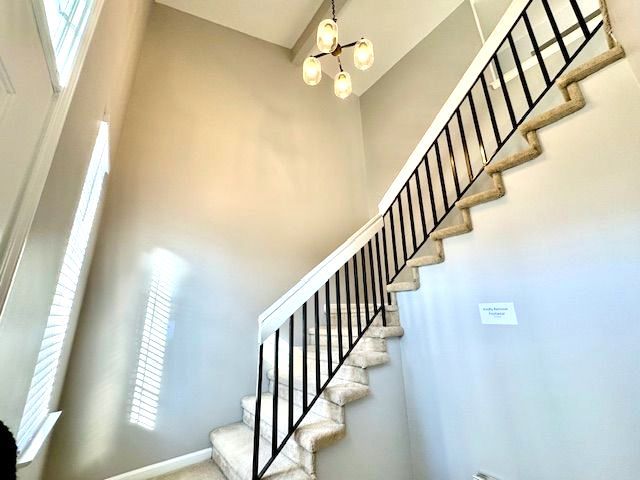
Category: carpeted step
[314,432]
[339,392]
[345,372]
[322,408]
[372,344]
[233,452]
[356,358]
[372,332]
[391,314]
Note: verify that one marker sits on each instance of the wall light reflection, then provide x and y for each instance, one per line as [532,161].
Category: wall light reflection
[165,271]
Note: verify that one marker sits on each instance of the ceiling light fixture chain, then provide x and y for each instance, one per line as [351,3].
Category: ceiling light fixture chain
[327,42]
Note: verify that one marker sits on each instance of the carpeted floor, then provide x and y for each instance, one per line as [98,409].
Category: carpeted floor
[200,471]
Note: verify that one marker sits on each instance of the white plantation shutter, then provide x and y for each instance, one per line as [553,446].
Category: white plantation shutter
[37,406]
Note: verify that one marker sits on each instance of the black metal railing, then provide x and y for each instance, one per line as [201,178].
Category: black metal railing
[360,281]
[479,128]
[484,121]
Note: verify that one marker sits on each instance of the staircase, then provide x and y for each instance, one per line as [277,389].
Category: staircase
[325,422]
[319,340]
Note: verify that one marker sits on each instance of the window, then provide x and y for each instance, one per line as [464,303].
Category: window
[37,406]
[62,27]
[146,391]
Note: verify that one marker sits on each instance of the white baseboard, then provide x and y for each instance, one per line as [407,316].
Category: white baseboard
[165,467]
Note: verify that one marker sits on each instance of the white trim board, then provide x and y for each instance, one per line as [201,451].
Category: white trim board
[165,467]
[38,441]
[12,245]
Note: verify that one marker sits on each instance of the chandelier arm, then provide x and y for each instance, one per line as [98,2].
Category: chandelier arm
[348,45]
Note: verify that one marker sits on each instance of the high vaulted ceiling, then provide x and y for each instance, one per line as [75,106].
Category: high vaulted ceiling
[394,26]
[276,21]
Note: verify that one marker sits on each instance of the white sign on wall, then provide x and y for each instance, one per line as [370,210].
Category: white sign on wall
[498,314]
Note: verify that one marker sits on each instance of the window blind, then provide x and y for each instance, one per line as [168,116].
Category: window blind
[43,381]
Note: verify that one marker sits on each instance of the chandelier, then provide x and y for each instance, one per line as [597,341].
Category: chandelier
[327,41]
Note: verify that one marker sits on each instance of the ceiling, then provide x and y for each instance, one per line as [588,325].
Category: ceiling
[276,21]
[394,27]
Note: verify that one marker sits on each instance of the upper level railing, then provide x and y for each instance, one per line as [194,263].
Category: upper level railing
[301,346]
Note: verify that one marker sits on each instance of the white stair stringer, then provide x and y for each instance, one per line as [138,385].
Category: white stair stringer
[325,423]
[574,101]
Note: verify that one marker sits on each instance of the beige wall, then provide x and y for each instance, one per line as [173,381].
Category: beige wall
[556,396]
[102,88]
[399,108]
[625,18]
[249,177]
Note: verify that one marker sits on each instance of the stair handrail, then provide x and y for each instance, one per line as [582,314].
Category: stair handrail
[280,311]
[470,77]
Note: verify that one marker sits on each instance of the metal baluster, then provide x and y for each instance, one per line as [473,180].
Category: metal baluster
[276,381]
[291,379]
[403,237]
[384,310]
[464,147]
[373,280]
[394,248]
[357,288]
[443,187]
[536,49]
[339,312]
[316,300]
[412,226]
[347,285]
[556,31]
[452,160]
[256,425]
[423,219]
[580,18]
[431,196]
[523,79]
[492,114]
[386,261]
[305,352]
[364,286]
[476,124]
[505,92]
[327,299]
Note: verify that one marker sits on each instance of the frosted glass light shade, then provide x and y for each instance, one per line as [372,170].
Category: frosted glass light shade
[363,54]
[311,71]
[327,38]
[342,85]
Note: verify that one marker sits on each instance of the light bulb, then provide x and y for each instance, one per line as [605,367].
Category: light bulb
[363,54]
[311,71]
[327,38]
[342,85]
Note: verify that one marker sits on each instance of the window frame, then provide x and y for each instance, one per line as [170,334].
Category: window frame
[59,80]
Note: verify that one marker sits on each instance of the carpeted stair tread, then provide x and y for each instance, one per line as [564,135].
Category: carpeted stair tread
[344,373]
[362,359]
[233,452]
[373,331]
[314,432]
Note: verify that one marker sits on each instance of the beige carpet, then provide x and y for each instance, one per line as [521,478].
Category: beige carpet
[200,471]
